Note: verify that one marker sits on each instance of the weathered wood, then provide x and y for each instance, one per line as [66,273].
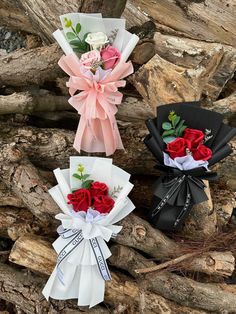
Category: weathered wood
[182,290]
[23,178]
[26,102]
[120,290]
[209,20]
[24,290]
[225,106]
[139,234]
[190,53]
[42,17]
[106,7]
[202,221]
[13,16]
[161,82]
[7,198]
[34,66]
[15,222]
[51,148]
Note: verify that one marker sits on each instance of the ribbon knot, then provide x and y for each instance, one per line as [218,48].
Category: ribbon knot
[98,87]
[96,102]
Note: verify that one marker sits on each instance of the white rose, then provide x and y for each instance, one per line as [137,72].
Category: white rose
[96,40]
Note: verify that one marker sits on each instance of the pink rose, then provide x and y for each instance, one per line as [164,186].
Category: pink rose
[110,57]
[90,58]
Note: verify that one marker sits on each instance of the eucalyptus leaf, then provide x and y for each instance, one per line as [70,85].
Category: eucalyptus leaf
[168,132]
[70,36]
[169,139]
[78,28]
[166,126]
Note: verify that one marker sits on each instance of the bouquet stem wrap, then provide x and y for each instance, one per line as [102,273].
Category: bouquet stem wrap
[96,103]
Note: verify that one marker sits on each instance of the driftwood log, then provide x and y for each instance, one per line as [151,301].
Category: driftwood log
[187,51]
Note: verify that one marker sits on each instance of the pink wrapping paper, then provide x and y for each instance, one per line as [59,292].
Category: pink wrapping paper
[96,103]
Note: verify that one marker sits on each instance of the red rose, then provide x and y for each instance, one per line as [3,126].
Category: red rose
[103,204]
[110,57]
[177,148]
[98,188]
[194,136]
[201,153]
[80,200]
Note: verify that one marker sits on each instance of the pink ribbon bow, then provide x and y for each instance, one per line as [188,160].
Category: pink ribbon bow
[96,104]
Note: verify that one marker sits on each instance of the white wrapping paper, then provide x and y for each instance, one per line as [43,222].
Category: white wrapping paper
[123,40]
[80,273]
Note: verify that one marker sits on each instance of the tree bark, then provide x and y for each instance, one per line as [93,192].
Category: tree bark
[119,291]
[208,21]
[23,178]
[202,221]
[27,103]
[184,291]
[162,82]
[189,53]
[106,7]
[24,290]
[51,148]
[34,66]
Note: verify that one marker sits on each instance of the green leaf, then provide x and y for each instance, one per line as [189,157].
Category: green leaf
[177,130]
[81,46]
[70,36]
[85,36]
[85,176]
[169,139]
[77,176]
[175,121]
[78,28]
[166,126]
[168,132]
[182,130]
[75,42]
[87,184]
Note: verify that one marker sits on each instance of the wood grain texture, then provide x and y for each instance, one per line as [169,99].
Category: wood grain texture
[27,67]
[210,20]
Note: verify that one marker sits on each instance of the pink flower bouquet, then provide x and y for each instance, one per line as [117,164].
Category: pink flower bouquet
[96,50]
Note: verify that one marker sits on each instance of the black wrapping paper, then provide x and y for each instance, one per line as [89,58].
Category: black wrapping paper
[176,191]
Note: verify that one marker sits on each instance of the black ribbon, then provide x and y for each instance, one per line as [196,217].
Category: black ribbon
[180,188]
[174,187]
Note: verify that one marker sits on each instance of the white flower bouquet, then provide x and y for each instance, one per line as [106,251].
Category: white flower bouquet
[92,195]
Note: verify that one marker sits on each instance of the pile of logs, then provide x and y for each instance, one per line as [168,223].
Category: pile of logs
[187,51]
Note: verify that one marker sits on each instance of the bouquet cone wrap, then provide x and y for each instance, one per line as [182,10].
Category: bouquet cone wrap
[81,269]
[181,185]
[94,92]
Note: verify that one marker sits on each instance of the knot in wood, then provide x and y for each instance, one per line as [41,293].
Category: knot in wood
[210,261]
[139,232]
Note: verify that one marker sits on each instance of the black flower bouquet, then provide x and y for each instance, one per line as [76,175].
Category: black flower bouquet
[185,141]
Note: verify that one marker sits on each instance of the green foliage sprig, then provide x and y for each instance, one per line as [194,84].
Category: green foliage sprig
[174,128]
[80,175]
[79,45]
